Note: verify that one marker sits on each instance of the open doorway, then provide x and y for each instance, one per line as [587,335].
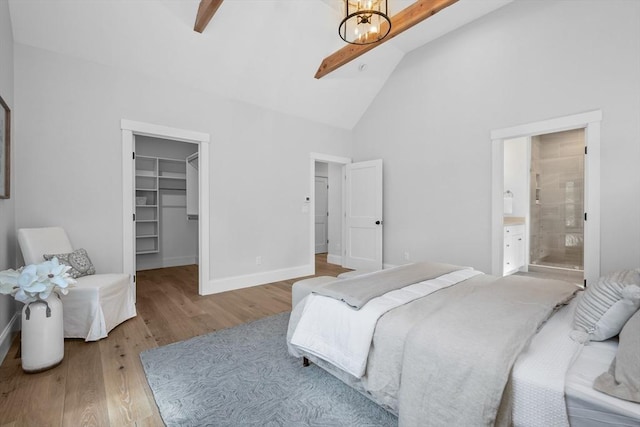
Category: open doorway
[544,204]
[360,219]
[166,232]
[322,214]
[328,211]
[132,130]
[579,231]
[330,169]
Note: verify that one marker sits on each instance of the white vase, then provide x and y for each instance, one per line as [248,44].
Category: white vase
[42,334]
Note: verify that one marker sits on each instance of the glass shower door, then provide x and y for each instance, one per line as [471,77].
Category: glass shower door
[557,200]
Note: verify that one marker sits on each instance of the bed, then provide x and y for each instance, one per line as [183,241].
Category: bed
[452,346]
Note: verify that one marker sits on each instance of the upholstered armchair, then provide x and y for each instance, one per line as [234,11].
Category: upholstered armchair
[97,303]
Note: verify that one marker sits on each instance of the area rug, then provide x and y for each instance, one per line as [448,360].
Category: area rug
[243,376]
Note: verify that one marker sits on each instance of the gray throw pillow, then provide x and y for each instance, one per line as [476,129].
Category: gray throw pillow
[78,260]
[606,306]
[623,378]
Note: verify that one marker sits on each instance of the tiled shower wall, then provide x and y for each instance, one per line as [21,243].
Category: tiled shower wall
[557,199]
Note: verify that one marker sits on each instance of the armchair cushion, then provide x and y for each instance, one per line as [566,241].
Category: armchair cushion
[35,242]
[78,260]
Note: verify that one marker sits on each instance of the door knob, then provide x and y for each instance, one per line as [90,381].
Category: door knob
[378,222]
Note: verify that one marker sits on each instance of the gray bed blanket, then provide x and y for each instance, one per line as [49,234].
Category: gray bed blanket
[457,362]
[357,291]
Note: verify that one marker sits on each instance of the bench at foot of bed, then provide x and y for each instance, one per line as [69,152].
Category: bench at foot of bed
[302,288]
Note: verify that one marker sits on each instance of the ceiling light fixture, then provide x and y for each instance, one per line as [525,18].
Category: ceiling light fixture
[365,21]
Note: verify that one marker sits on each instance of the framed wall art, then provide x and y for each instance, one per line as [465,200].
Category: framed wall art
[5,150]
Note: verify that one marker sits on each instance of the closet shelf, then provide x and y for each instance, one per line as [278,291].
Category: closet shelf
[147,212]
[161,183]
[147,252]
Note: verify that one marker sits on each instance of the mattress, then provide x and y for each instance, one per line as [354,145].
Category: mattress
[588,407]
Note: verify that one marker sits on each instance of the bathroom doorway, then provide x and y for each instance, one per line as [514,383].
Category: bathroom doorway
[589,123]
[556,230]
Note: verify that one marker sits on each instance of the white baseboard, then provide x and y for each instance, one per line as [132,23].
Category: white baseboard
[177,261]
[238,282]
[334,259]
[166,262]
[9,332]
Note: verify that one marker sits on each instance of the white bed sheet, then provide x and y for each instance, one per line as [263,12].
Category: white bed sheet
[557,374]
[588,407]
[538,376]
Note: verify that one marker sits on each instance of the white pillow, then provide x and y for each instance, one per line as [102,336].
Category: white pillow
[623,377]
[606,306]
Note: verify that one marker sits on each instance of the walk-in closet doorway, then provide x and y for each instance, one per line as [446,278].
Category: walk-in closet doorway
[166,228]
[156,209]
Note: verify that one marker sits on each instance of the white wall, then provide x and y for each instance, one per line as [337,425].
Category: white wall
[7,206]
[70,162]
[526,62]
[516,170]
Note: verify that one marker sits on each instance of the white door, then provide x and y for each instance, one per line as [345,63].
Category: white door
[363,245]
[322,214]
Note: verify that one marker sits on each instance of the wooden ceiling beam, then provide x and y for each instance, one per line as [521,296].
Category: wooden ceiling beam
[402,21]
[206,10]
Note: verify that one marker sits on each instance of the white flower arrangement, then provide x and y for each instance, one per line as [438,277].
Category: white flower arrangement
[36,281]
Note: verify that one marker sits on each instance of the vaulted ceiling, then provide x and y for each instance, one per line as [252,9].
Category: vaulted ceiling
[263,52]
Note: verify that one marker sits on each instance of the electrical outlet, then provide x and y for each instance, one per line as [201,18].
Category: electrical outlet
[406,256]
[258,260]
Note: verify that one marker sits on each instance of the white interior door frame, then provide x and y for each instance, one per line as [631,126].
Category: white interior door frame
[131,128]
[590,121]
[326,158]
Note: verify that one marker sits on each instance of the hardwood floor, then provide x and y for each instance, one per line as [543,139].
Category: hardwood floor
[102,383]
